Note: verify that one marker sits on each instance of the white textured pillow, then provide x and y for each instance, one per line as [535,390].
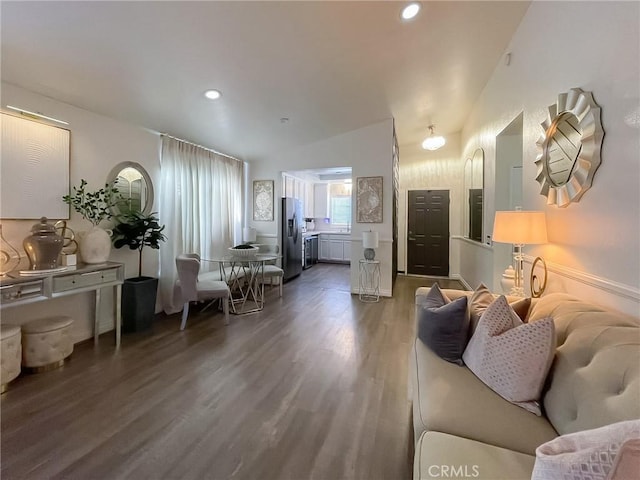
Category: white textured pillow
[587,455]
[511,357]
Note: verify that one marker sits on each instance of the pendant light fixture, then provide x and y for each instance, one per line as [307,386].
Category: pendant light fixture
[433,142]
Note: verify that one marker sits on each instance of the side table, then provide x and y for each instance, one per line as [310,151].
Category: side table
[369,280]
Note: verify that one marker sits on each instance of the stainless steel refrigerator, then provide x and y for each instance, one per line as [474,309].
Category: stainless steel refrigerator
[291,230]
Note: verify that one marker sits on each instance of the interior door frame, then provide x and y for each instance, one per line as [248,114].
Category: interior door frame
[406,227]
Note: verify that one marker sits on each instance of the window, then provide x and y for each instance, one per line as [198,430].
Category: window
[340,203]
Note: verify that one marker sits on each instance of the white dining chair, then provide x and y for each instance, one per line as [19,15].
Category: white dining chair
[192,289]
[271,270]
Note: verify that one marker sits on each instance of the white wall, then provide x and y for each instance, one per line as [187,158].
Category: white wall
[368,152]
[558,46]
[98,143]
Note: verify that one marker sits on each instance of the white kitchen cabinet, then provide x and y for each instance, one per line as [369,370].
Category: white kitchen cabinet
[320,200]
[308,200]
[335,248]
[324,248]
[346,250]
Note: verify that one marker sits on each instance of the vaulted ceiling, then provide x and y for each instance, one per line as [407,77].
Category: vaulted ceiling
[329,67]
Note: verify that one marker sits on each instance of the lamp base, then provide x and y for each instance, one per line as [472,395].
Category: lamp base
[369,254]
[516,292]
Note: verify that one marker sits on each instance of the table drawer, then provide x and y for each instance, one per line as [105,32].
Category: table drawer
[22,291]
[81,280]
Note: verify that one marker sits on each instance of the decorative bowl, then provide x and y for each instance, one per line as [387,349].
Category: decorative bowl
[244,252]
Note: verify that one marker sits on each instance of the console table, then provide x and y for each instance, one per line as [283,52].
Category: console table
[16,289]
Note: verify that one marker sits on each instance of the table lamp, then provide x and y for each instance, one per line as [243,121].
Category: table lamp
[248,235]
[370,242]
[519,228]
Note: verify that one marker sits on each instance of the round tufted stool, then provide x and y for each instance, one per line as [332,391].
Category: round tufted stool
[46,342]
[10,354]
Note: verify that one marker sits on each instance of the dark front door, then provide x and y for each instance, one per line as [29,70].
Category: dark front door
[428,233]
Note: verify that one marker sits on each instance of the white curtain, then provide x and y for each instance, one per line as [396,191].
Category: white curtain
[201,206]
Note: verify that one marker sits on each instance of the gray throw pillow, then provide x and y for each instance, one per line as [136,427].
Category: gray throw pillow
[443,326]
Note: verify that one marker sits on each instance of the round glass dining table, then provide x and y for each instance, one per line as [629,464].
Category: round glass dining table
[244,276]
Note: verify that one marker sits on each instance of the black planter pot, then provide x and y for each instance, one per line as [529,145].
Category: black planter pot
[138,303]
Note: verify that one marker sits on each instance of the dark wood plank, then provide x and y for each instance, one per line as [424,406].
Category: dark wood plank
[314,386]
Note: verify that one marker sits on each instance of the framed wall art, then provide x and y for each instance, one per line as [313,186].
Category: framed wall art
[263,200]
[369,200]
[35,169]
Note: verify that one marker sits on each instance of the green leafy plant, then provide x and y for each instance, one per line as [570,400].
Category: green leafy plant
[93,206]
[138,230]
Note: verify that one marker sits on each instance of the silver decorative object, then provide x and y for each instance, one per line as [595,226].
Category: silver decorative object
[43,246]
[9,256]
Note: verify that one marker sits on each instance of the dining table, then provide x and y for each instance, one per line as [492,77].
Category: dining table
[245,277]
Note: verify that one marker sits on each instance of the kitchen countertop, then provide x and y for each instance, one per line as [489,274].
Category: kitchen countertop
[324,232]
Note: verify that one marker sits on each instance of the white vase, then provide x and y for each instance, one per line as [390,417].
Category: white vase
[508,280]
[95,245]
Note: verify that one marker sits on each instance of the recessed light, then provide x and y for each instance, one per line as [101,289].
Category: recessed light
[410,11]
[284,120]
[212,94]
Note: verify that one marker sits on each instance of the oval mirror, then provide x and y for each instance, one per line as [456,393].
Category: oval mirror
[569,148]
[135,186]
[474,193]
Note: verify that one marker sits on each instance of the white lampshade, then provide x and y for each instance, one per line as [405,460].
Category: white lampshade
[249,234]
[370,239]
[520,227]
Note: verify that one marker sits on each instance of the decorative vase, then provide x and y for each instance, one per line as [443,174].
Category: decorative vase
[9,256]
[95,245]
[43,246]
[508,280]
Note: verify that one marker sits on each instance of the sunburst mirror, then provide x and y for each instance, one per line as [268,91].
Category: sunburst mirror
[569,148]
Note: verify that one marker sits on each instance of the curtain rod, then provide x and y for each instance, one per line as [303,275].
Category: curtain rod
[201,146]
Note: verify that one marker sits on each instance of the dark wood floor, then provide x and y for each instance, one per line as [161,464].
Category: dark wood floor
[313,387]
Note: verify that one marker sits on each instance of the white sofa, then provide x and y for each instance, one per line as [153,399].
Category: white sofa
[463,429]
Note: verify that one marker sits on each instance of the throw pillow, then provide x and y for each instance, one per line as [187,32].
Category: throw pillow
[598,454]
[510,357]
[482,298]
[627,463]
[443,325]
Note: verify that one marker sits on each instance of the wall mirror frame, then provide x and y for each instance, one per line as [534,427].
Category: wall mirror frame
[569,148]
[135,185]
[473,193]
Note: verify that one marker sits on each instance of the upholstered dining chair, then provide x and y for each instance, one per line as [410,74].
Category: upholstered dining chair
[192,289]
[271,270]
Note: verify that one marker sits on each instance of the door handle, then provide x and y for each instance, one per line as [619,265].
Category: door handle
[411,239]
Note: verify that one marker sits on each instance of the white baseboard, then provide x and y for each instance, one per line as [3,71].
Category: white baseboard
[382,293]
[457,276]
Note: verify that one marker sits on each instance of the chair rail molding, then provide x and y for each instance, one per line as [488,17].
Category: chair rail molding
[618,296]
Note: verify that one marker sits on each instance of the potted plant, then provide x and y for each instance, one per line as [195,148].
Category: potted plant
[138,230]
[94,206]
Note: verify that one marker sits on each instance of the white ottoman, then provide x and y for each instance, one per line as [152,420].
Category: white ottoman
[10,354]
[46,342]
